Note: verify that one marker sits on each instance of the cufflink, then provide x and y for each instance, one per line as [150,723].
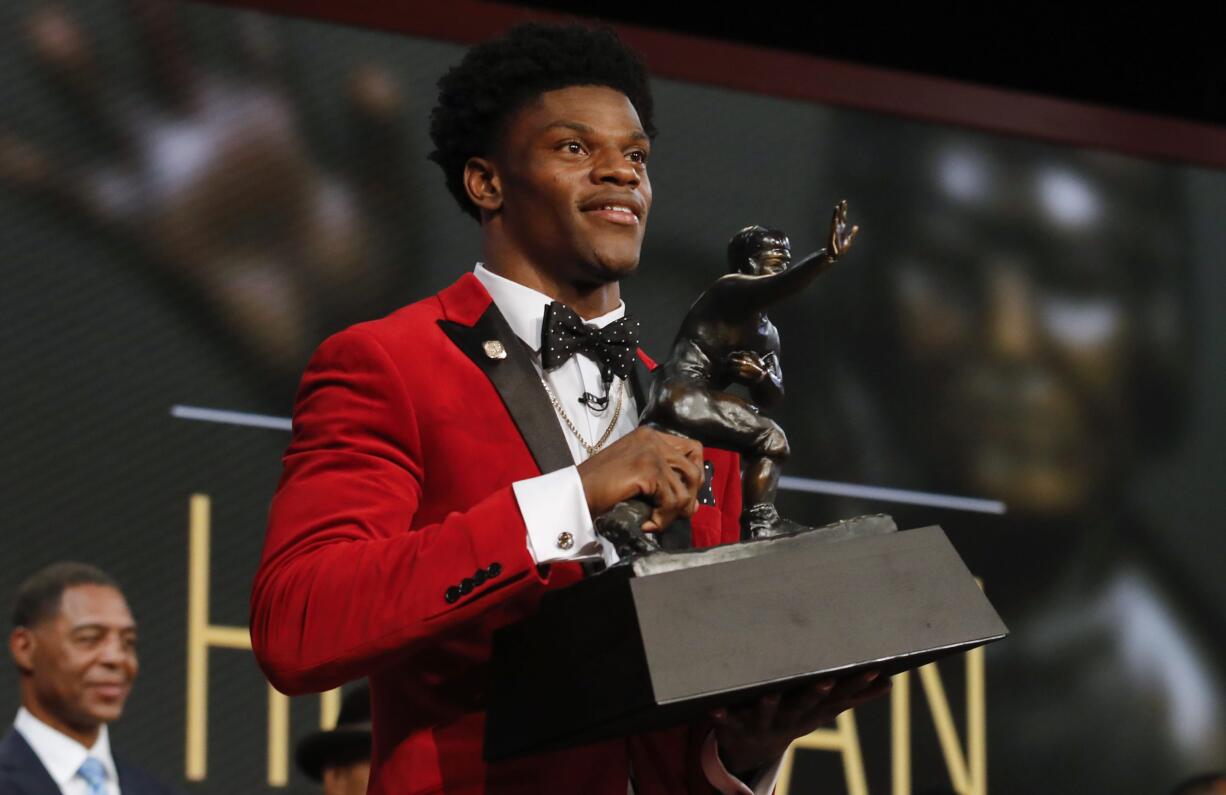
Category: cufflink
[494,349]
[565,540]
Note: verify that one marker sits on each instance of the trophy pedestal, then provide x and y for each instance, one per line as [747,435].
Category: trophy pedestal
[660,642]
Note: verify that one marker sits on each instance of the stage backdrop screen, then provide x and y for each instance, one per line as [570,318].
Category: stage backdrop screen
[188,208]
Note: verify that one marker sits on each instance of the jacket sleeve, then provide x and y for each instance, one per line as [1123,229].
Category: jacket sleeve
[344,585]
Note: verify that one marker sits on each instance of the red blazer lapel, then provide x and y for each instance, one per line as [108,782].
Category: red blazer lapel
[474,324]
[465,300]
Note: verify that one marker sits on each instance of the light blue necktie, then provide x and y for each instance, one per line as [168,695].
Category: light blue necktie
[94,774]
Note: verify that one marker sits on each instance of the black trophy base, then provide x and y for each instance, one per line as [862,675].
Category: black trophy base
[626,652]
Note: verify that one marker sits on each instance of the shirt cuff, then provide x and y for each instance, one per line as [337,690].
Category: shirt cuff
[554,508]
[718,776]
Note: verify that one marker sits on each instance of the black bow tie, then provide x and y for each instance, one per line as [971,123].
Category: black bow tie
[613,347]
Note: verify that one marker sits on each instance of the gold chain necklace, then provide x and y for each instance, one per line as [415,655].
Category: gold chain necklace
[591,448]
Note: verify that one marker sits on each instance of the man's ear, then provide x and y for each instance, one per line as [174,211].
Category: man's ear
[21,646]
[483,184]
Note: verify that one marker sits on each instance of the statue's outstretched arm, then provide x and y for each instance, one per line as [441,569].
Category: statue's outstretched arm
[754,293]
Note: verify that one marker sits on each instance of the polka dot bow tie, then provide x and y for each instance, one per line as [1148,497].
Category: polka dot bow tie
[612,347]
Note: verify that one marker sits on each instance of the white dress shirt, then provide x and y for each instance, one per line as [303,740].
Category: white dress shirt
[62,756]
[553,505]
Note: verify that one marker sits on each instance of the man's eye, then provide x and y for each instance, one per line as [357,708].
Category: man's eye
[638,156]
[574,147]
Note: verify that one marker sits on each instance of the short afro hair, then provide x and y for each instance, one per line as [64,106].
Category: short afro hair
[38,598]
[477,96]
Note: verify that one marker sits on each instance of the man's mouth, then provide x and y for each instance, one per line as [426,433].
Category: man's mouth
[614,212]
[109,691]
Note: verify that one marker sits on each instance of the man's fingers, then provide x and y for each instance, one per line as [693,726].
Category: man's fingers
[690,475]
[765,711]
[733,720]
[817,704]
[829,697]
[684,457]
[852,691]
[875,690]
[804,700]
[831,709]
[693,454]
[685,489]
[688,447]
[671,497]
[669,473]
[850,686]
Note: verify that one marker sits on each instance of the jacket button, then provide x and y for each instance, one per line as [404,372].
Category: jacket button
[479,577]
[452,594]
[466,586]
[494,569]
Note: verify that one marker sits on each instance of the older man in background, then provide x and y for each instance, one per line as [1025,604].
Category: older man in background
[74,645]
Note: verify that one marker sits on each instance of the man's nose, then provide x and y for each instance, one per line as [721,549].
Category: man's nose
[613,167]
[115,652]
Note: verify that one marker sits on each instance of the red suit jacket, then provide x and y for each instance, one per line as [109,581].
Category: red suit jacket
[395,547]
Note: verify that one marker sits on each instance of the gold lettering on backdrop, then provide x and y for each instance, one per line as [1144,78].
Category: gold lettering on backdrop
[968,771]
[278,739]
[842,738]
[900,732]
[201,635]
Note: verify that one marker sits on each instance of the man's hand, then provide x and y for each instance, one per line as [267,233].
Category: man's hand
[662,468]
[750,737]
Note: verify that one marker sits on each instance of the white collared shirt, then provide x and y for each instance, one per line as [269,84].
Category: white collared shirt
[554,503]
[62,756]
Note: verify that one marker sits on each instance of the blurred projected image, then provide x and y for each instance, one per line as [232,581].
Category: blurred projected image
[1034,310]
[202,168]
[1030,343]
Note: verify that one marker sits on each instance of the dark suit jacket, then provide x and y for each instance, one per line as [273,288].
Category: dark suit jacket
[22,773]
[395,547]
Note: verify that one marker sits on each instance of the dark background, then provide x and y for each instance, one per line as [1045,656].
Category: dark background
[1150,59]
[139,283]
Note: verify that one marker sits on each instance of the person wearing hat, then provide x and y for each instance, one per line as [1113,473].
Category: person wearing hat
[339,758]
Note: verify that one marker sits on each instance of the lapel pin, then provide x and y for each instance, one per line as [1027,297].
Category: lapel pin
[494,349]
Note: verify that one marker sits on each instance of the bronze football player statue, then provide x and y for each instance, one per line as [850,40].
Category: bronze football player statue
[726,338]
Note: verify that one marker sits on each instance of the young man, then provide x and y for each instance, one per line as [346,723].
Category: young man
[447,460]
[74,645]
